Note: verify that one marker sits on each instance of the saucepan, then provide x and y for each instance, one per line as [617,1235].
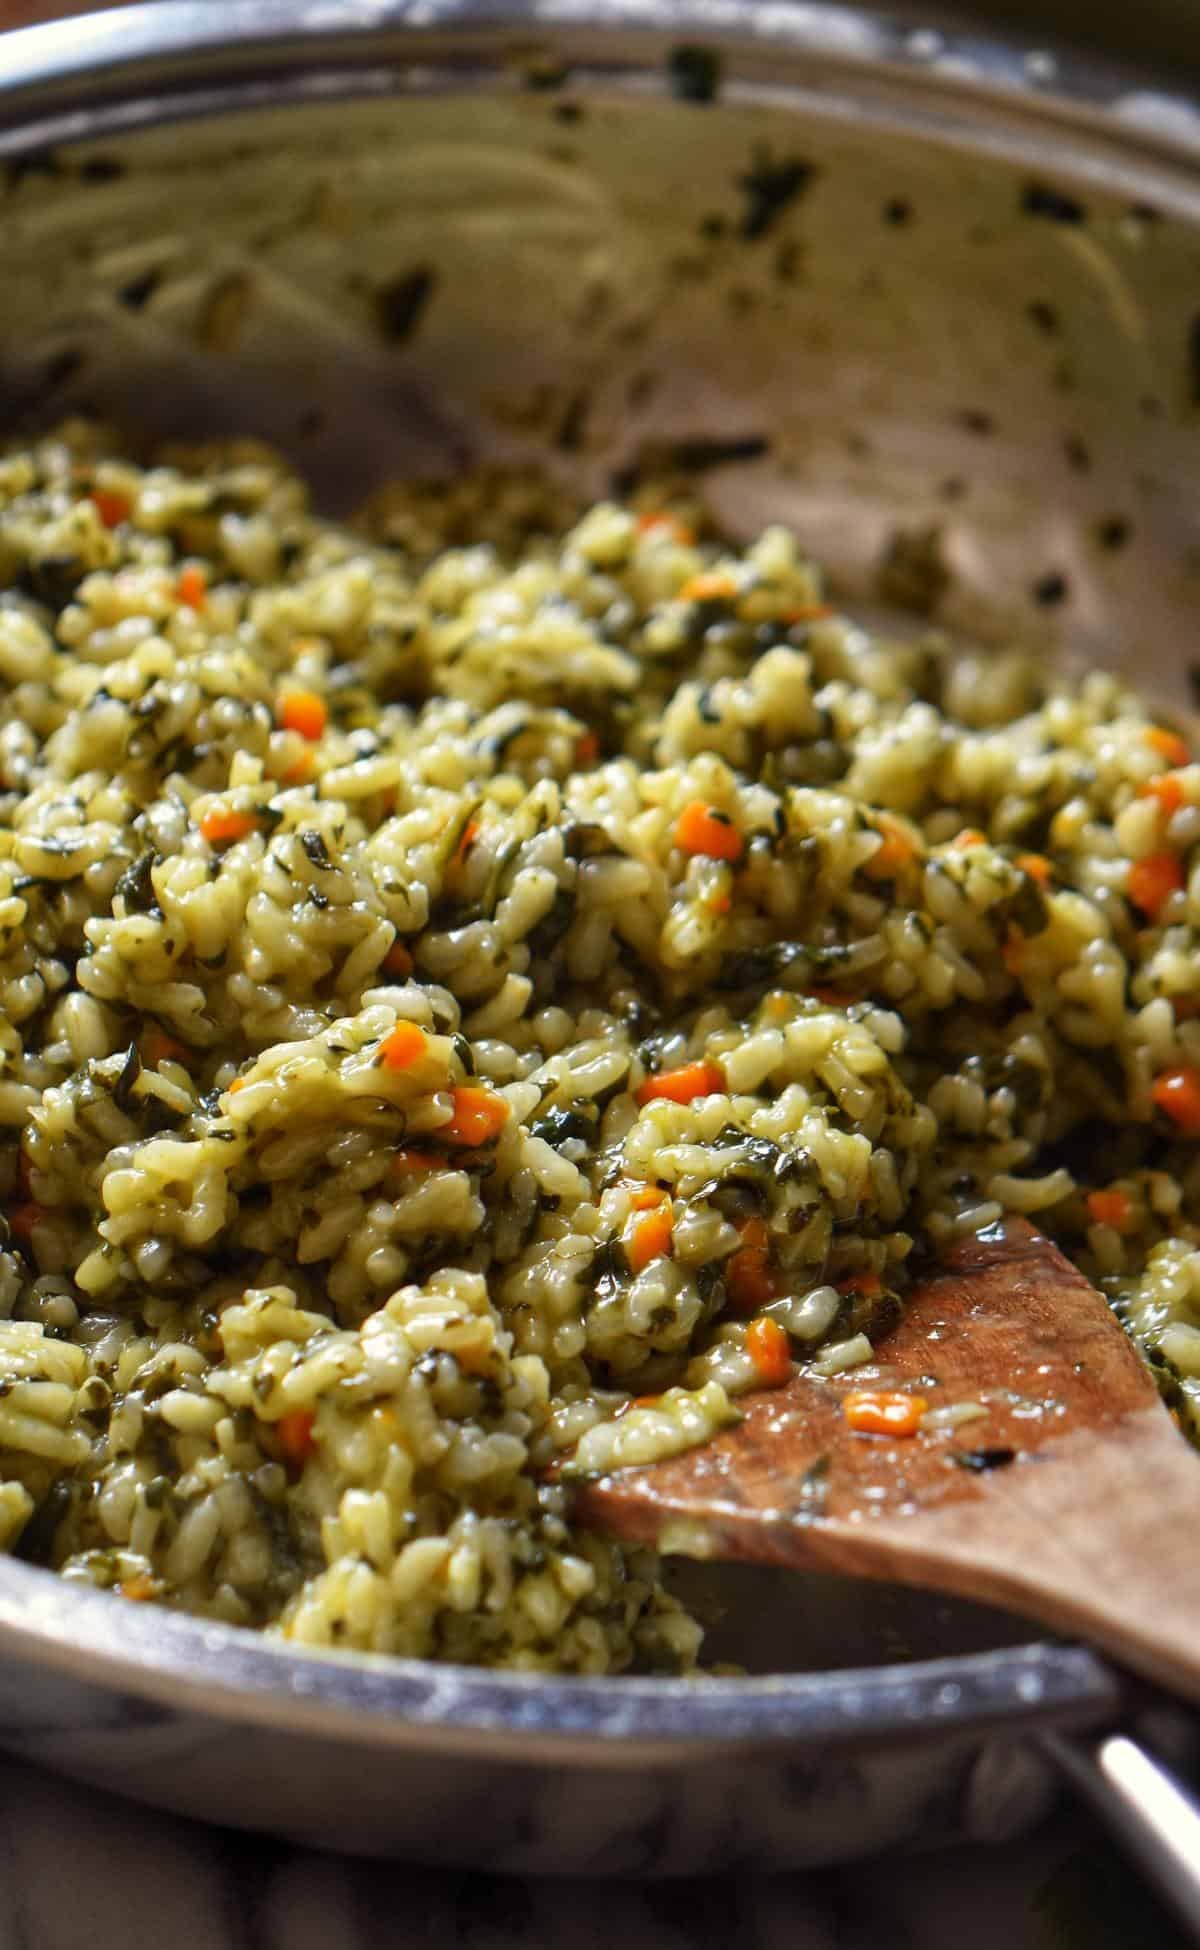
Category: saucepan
[929,297]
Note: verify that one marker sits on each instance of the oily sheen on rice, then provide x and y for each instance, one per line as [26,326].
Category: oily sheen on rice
[469,1012]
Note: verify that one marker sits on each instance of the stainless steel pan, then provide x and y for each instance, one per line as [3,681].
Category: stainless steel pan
[932,299]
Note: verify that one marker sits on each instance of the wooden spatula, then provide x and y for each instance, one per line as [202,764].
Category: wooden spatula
[1074,1500]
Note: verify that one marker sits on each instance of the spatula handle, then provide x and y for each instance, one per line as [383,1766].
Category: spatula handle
[1144,1803]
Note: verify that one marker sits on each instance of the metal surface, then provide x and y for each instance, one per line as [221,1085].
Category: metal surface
[929,301]
[1147,1806]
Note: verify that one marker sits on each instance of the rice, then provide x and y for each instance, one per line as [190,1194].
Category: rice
[450,993]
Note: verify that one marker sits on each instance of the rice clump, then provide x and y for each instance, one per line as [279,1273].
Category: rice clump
[469,1013]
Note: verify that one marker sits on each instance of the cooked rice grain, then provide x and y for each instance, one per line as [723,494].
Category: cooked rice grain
[395,1101]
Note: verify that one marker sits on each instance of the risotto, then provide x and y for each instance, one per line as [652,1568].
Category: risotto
[481,990]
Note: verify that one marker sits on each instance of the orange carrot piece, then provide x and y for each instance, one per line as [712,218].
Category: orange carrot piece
[225,825]
[1167,788]
[807,613]
[296,1438]
[1110,1208]
[403,1046]
[1168,745]
[643,1198]
[969,836]
[587,748]
[192,587]
[682,1086]
[478,1116]
[1153,880]
[704,829]
[161,1048]
[304,712]
[1177,1093]
[894,854]
[1036,866]
[669,527]
[769,1349]
[301,773]
[867,1281]
[139,1590]
[112,508]
[649,1237]
[397,960]
[884,1411]
[833,998]
[749,1281]
[405,1162]
[470,834]
[711,586]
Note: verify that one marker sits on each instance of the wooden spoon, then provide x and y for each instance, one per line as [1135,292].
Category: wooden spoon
[1073,1500]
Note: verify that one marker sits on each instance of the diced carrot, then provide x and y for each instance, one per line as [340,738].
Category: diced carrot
[807,613]
[769,1349]
[397,960]
[138,1589]
[721,904]
[711,586]
[1153,880]
[239,1083]
[833,998]
[1167,788]
[161,1048]
[304,712]
[749,1281]
[192,587]
[1036,866]
[301,773]
[112,508]
[404,1162]
[478,1116]
[403,1046]
[866,1281]
[894,854]
[704,829]
[224,825]
[296,1438]
[587,748]
[669,527]
[682,1086]
[648,1237]
[1168,745]
[470,834]
[23,1218]
[643,1198]
[1110,1208]
[884,1412]
[970,836]
[1177,1093]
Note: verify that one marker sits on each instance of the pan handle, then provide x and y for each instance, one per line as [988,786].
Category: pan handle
[1145,1804]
